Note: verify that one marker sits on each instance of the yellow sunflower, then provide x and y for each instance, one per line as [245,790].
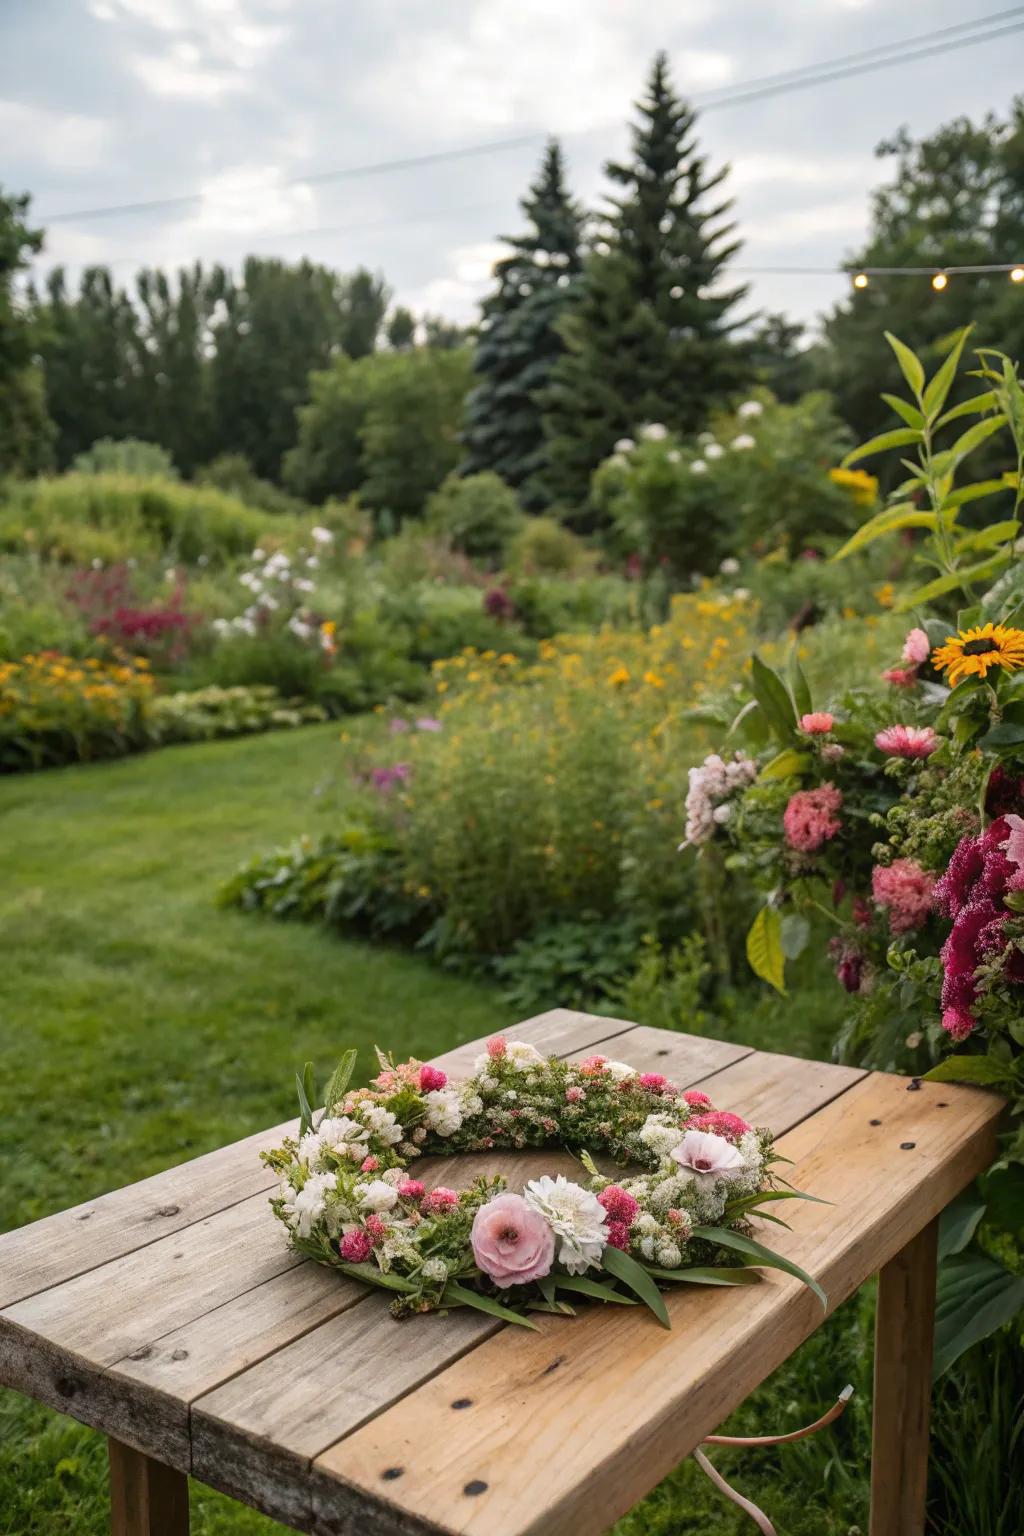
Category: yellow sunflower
[971,652]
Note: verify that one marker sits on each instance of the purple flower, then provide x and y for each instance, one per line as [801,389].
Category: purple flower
[428,723]
[384,778]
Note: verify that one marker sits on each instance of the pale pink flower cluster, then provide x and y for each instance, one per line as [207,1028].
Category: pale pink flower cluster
[907,741]
[810,817]
[904,889]
[711,785]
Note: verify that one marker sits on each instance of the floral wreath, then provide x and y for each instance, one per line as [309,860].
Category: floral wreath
[348,1200]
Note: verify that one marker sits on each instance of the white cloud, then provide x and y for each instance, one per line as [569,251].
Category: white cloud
[64,140]
[180,74]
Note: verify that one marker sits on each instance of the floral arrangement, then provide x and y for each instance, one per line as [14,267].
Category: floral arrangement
[58,709]
[348,1198]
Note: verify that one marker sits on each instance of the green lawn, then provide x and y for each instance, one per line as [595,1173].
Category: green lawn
[141,1025]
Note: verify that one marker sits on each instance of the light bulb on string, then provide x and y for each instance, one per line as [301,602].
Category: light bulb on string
[860,280]
[940,281]
[1017,275]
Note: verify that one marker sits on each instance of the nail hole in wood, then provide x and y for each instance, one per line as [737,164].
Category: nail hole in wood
[554,1365]
[179,1354]
[462,1402]
[907,1146]
[874,1122]
[662,1052]
[914,1086]
[475,1487]
[942,1104]
[390,1473]
[141,1354]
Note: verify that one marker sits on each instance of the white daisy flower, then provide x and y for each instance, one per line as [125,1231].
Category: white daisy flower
[574,1215]
[444,1112]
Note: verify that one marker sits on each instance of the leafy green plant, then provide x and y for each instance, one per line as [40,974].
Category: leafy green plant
[126,456]
[478,514]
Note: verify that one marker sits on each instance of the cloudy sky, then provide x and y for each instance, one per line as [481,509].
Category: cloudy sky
[232,103]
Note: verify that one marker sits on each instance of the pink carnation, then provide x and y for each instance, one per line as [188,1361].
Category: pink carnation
[696,1099]
[619,1203]
[440,1200]
[817,724]
[497,1045]
[512,1243]
[654,1082]
[432,1078]
[917,647]
[574,1095]
[411,1189]
[355,1247]
[905,890]
[901,677]
[720,1123]
[907,741]
[377,1227]
[810,817]
[369,1164]
[616,1235]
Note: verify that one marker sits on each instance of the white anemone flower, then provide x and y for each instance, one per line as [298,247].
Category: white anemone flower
[575,1216]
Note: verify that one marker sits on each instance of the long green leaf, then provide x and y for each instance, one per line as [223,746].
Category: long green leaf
[973,492]
[975,1297]
[985,538]
[635,1276]
[959,1222]
[340,1078]
[976,435]
[773,696]
[747,1275]
[799,687]
[910,363]
[456,1295]
[980,571]
[747,1245]
[788,763]
[891,520]
[302,1088]
[971,407]
[939,386]
[986,1071]
[585,1287]
[765,954]
[369,1274]
[906,412]
[899,437]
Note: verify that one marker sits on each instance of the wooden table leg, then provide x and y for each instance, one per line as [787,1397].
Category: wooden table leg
[146,1497]
[904,1331]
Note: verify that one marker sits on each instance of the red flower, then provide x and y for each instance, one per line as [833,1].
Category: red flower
[355,1247]
[619,1203]
[432,1078]
[616,1235]
[697,1100]
[720,1122]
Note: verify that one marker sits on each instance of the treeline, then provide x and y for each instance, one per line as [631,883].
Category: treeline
[596,323]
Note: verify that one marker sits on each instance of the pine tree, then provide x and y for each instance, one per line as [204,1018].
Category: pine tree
[519,343]
[650,339]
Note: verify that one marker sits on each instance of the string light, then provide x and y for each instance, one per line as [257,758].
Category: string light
[1017,275]
[861,280]
[938,276]
[940,281]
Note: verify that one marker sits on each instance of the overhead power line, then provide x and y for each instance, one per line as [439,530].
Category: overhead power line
[824,72]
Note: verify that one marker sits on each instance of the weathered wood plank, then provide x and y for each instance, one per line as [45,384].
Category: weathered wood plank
[558,1032]
[778,1091]
[146,1498]
[904,1332]
[685,1059]
[600,1408]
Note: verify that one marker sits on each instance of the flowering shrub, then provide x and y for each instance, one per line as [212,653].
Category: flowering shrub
[348,1200]
[104,596]
[54,709]
[281,587]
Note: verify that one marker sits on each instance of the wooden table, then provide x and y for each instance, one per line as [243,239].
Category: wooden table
[172,1316]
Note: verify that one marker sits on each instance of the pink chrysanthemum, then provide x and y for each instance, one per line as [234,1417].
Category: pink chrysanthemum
[917,647]
[497,1045]
[440,1200]
[369,1164]
[810,817]
[574,1095]
[411,1189]
[654,1082]
[905,890]
[619,1203]
[900,677]
[817,723]
[616,1235]
[355,1247]
[907,741]
[696,1099]
[721,1123]
[432,1078]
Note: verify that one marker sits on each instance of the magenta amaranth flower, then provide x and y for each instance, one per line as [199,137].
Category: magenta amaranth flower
[619,1203]
[905,890]
[720,1123]
[958,1023]
[616,1235]
[355,1247]
[817,723]
[900,677]
[498,604]
[1005,792]
[907,741]
[432,1078]
[849,963]
[917,647]
[810,817]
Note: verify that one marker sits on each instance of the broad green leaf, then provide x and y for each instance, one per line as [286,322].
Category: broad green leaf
[773,697]
[761,1255]
[635,1276]
[891,520]
[303,1087]
[1004,1191]
[799,687]
[335,1090]
[910,363]
[939,386]
[959,1222]
[981,571]
[975,1297]
[547,1287]
[788,763]
[456,1295]
[899,437]
[371,1275]
[983,1070]
[585,1287]
[985,538]
[1005,734]
[764,949]
[795,934]
[973,492]
[971,407]
[975,435]
[908,413]
[747,1275]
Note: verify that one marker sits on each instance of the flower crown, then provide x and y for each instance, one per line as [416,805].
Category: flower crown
[348,1200]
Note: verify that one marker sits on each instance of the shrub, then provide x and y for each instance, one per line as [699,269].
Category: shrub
[80,518]
[126,456]
[542,546]
[54,709]
[107,601]
[234,475]
[477,514]
[35,614]
[208,713]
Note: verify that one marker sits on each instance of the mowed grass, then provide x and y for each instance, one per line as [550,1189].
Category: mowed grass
[140,1025]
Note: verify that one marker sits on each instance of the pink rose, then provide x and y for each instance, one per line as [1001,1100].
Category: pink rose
[817,723]
[512,1243]
[917,647]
